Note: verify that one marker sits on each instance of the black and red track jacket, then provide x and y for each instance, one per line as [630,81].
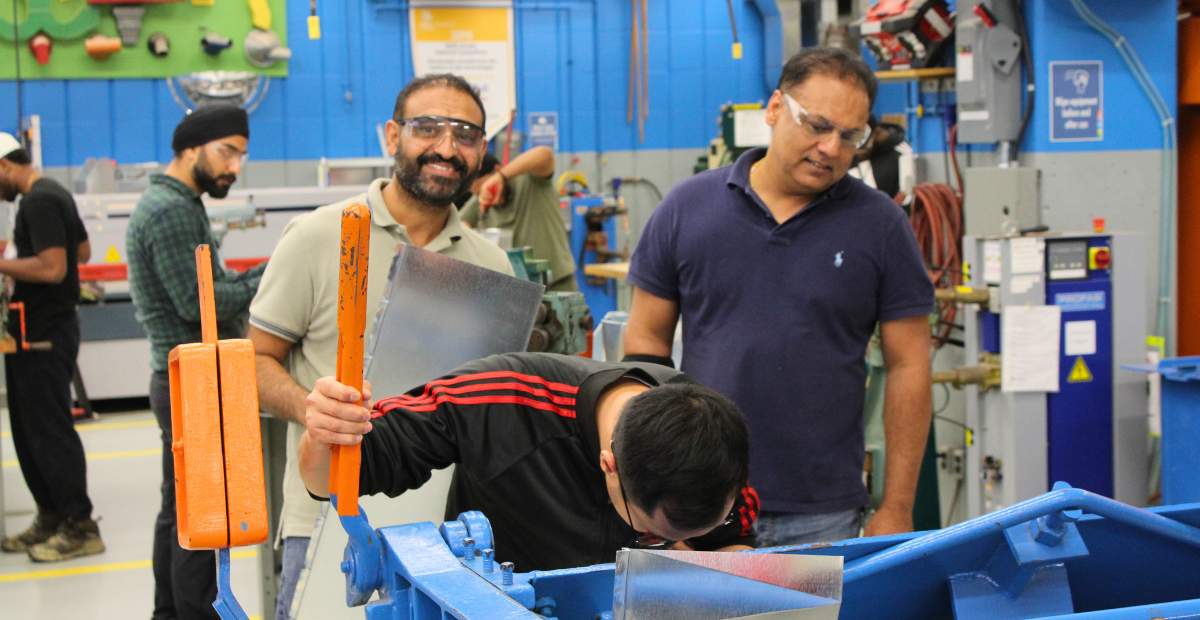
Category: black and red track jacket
[522,429]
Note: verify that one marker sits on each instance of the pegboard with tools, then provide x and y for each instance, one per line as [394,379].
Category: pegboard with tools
[64,39]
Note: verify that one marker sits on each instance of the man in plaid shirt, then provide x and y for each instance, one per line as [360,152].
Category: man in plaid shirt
[164,230]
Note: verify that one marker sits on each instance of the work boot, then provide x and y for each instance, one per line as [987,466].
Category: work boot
[45,525]
[75,538]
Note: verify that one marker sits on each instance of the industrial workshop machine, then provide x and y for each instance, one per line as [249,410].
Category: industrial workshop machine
[1068,552]
[743,127]
[593,233]
[564,323]
[108,325]
[906,34]
[1049,321]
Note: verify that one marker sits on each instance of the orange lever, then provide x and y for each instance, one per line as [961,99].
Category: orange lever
[352,323]
[216,440]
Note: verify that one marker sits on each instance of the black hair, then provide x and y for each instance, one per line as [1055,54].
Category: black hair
[20,157]
[683,448]
[833,62]
[488,165]
[436,80]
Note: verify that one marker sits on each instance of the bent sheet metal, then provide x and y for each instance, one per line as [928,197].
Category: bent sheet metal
[698,585]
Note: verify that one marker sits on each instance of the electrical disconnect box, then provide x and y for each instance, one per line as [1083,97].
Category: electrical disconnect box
[1001,200]
[987,52]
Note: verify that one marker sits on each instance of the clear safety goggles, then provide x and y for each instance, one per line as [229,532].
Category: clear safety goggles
[464,135]
[818,127]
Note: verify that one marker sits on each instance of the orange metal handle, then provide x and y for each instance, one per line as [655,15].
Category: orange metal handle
[208,304]
[352,323]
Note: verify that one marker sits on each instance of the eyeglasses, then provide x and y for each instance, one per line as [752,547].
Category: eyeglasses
[818,127]
[463,134]
[229,153]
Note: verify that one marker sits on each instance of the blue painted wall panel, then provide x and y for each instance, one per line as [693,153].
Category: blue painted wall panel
[1057,33]
[573,58]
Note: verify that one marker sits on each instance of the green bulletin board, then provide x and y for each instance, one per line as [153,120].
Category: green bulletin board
[182,22]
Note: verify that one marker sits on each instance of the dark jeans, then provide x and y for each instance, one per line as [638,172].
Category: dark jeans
[185,582]
[39,405]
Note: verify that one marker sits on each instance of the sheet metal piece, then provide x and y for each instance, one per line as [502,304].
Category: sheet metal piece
[696,585]
[439,313]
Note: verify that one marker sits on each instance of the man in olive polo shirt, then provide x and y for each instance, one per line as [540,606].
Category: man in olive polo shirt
[437,138]
[521,197]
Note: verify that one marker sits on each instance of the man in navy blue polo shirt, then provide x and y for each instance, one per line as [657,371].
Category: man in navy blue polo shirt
[781,266]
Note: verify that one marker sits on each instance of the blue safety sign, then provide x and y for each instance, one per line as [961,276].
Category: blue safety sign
[1080,302]
[1076,101]
[543,129]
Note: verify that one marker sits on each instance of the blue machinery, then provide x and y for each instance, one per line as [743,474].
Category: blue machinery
[593,231]
[1066,552]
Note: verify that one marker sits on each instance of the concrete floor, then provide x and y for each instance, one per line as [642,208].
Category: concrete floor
[124,474]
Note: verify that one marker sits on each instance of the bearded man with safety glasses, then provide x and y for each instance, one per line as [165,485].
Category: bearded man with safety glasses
[781,266]
[436,135]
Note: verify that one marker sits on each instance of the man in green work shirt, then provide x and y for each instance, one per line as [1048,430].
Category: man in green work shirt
[164,230]
[521,197]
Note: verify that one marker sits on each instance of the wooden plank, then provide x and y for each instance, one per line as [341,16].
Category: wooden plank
[617,271]
[908,75]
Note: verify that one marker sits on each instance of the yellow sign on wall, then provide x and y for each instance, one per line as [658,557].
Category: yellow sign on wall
[475,43]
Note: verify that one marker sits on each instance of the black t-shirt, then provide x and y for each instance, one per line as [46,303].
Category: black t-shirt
[47,218]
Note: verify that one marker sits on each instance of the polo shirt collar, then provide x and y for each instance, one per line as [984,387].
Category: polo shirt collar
[451,233]
[739,177]
[174,185]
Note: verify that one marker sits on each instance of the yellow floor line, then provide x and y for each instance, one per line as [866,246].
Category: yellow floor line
[107,455]
[103,426]
[100,568]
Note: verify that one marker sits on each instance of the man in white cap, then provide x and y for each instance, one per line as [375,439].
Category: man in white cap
[51,242]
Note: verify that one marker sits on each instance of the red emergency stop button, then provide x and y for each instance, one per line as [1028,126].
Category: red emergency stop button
[1099,258]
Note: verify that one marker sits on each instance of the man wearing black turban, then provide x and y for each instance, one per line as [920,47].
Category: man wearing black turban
[164,230]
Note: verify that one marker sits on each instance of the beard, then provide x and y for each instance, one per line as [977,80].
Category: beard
[435,191]
[8,190]
[215,186]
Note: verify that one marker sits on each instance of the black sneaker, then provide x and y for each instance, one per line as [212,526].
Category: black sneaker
[45,525]
[75,538]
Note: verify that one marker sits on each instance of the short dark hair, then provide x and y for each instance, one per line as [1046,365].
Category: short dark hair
[488,165]
[833,62]
[683,448]
[436,80]
[20,157]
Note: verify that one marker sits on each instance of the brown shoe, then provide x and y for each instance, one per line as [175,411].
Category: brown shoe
[75,538]
[45,525]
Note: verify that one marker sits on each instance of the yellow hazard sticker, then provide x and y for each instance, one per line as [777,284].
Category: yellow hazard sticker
[113,256]
[1080,372]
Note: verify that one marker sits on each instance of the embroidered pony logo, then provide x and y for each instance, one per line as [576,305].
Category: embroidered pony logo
[837,259]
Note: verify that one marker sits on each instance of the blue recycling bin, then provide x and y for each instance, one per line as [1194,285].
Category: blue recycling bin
[1180,430]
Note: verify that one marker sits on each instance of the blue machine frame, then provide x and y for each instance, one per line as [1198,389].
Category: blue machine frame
[601,297]
[1043,558]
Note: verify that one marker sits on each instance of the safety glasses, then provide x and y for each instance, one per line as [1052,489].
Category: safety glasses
[818,127]
[433,129]
[228,153]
